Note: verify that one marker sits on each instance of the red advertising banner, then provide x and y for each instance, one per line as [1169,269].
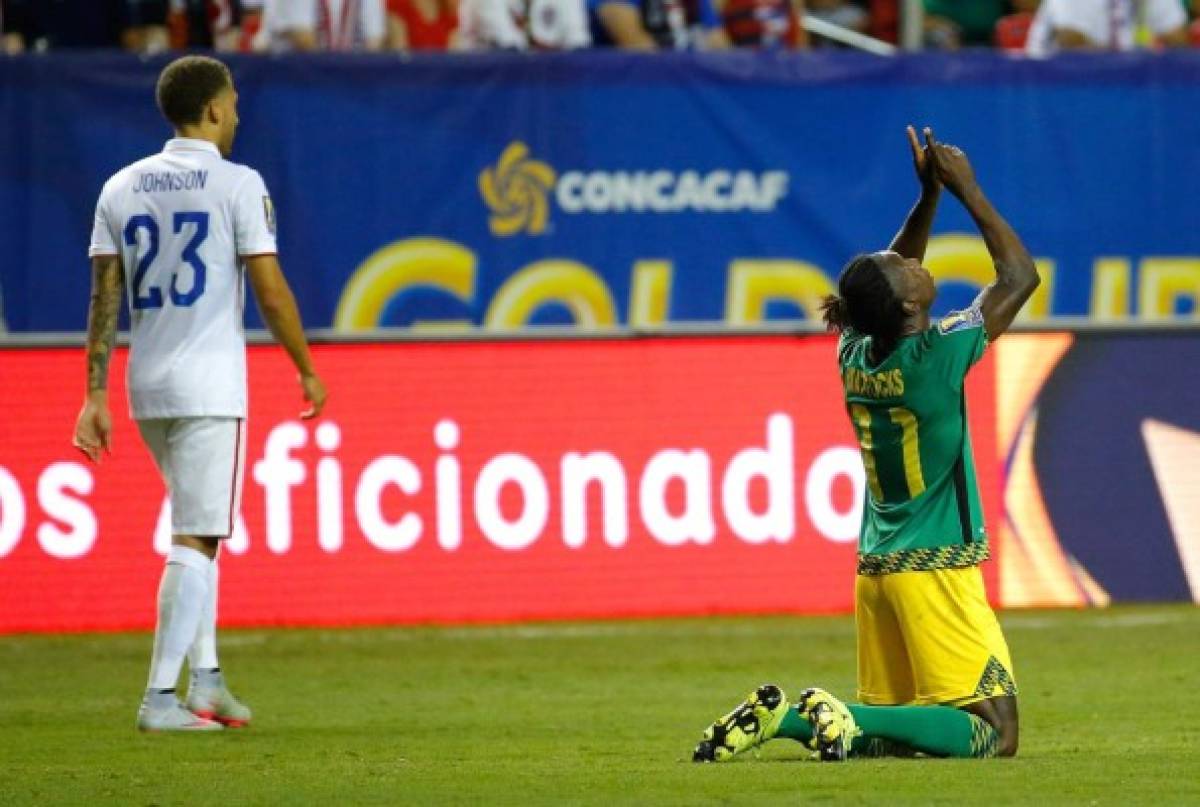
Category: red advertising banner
[468,481]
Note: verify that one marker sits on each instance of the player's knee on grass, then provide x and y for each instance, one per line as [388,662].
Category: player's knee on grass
[1001,713]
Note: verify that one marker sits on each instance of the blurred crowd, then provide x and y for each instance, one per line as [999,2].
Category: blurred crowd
[275,26]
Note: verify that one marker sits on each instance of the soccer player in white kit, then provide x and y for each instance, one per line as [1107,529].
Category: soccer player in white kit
[178,231]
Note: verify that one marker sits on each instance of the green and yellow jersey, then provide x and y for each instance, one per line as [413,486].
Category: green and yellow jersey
[910,414]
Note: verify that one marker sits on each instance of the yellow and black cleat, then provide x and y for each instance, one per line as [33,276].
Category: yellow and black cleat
[833,726]
[750,724]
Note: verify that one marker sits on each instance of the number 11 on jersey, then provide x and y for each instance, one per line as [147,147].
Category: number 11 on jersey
[907,421]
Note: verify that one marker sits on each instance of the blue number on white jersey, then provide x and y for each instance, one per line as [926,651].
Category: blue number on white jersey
[152,296]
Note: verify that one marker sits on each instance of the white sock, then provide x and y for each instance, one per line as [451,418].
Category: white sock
[202,655]
[181,597]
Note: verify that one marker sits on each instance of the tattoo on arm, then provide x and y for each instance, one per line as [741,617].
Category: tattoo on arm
[107,287]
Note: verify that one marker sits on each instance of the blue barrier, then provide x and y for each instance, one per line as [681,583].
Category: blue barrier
[603,188]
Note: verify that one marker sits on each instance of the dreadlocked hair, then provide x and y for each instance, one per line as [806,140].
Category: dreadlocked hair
[866,303]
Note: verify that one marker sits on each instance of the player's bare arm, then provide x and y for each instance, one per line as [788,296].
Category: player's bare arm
[93,428]
[278,308]
[1016,273]
[913,237]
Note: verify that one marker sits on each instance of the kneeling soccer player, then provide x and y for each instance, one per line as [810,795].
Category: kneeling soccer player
[934,673]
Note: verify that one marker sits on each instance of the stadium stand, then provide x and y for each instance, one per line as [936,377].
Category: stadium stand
[152,26]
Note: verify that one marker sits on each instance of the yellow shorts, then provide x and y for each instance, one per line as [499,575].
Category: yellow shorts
[929,637]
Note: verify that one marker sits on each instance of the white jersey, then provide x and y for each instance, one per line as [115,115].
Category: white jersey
[181,221]
[1109,24]
[337,24]
[523,25]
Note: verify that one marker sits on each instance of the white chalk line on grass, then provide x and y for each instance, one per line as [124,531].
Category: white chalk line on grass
[732,629]
[633,630]
[1040,621]
[254,637]
[725,628]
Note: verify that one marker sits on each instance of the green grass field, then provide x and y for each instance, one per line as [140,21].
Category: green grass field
[591,713]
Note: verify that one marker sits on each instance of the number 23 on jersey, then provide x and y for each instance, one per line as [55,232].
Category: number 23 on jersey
[145,295]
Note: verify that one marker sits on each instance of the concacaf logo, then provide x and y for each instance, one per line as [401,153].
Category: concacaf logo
[517,192]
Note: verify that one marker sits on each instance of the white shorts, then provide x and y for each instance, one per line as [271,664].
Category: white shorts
[202,460]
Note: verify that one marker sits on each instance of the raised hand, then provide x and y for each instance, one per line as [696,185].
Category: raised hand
[922,161]
[1016,273]
[951,165]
